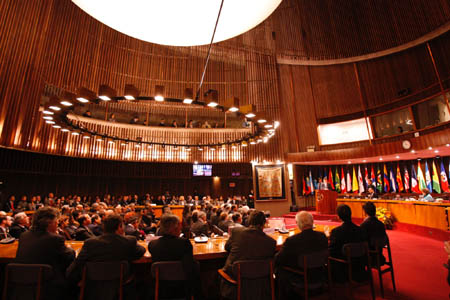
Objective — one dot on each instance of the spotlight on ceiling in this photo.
(159, 93)
(212, 98)
(233, 104)
(106, 93)
(84, 95)
(248, 110)
(131, 92)
(188, 96)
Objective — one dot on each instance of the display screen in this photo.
(202, 170)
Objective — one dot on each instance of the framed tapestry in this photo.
(270, 183)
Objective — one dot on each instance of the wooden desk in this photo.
(427, 214)
(213, 249)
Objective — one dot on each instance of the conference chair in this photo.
(170, 271)
(26, 281)
(356, 255)
(105, 280)
(254, 279)
(312, 269)
(378, 263)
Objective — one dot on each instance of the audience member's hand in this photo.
(447, 248)
(326, 230)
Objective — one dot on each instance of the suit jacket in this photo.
(37, 247)
(83, 233)
(130, 230)
(96, 229)
(348, 232)
(199, 228)
(372, 227)
(305, 242)
(172, 248)
(4, 233)
(108, 247)
(16, 230)
(248, 244)
(225, 224)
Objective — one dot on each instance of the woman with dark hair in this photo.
(63, 225)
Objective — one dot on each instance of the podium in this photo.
(326, 202)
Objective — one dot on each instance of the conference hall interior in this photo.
(224, 149)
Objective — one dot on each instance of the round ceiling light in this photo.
(179, 22)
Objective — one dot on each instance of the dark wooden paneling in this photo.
(33, 173)
(335, 90)
(382, 79)
(441, 49)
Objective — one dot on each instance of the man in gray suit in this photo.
(247, 244)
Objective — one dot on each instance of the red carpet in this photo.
(419, 273)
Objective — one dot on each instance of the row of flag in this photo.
(356, 179)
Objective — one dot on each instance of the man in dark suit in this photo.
(20, 225)
(83, 232)
(42, 245)
(5, 224)
(170, 247)
(373, 228)
(306, 242)
(132, 226)
(247, 244)
(96, 225)
(346, 233)
(200, 226)
(111, 246)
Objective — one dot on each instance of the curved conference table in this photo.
(213, 249)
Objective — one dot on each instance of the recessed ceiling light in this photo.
(397, 157)
(430, 148)
(381, 158)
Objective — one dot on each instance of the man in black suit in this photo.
(112, 245)
(42, 245)
(132, 226)
(346, 233)
(96, 225)
(20, 225)
(373, 228)
(170, 247)
(200, 226)
(306, 242)
(5, 224)
(247, 244)
(83, 232)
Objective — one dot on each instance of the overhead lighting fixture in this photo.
(248, 110)
(64, 130)
(54, 107)
(268, 126)
(86, 136)
(106, 93)
(47, 112)
(66, 103)
(261, 118)
(187, 148)
(233, 146)
(159, 93)
(233, 104)
(76, 133)
(50, 122)
(47, 118)
(131, 92)
(188, 96)
(99, 139)
(244, 144)
(212, 98)
(212, 148)
(56, 126)
(276, 124)
(381, 158)
(190, 23)
(199, 148)
(84, 95)
(123, 144)
(252, 142)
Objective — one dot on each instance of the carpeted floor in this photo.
(418, 266)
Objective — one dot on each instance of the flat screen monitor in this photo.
(202, 170)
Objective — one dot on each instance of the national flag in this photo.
(399, 179)
(354, 182)
(428, 178)
(343, 185)
(406, 178)
(330, 179)
(337, 181)
(372, 176)
(420, 177)
(308, 187)
(414, 182)
(304, 187)
(349, 182)
(366, 176)
(379, 180)
(435, 179)
(392, 181)
(311, 184)
(444, 182)
(385, 179)
(360, 180)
